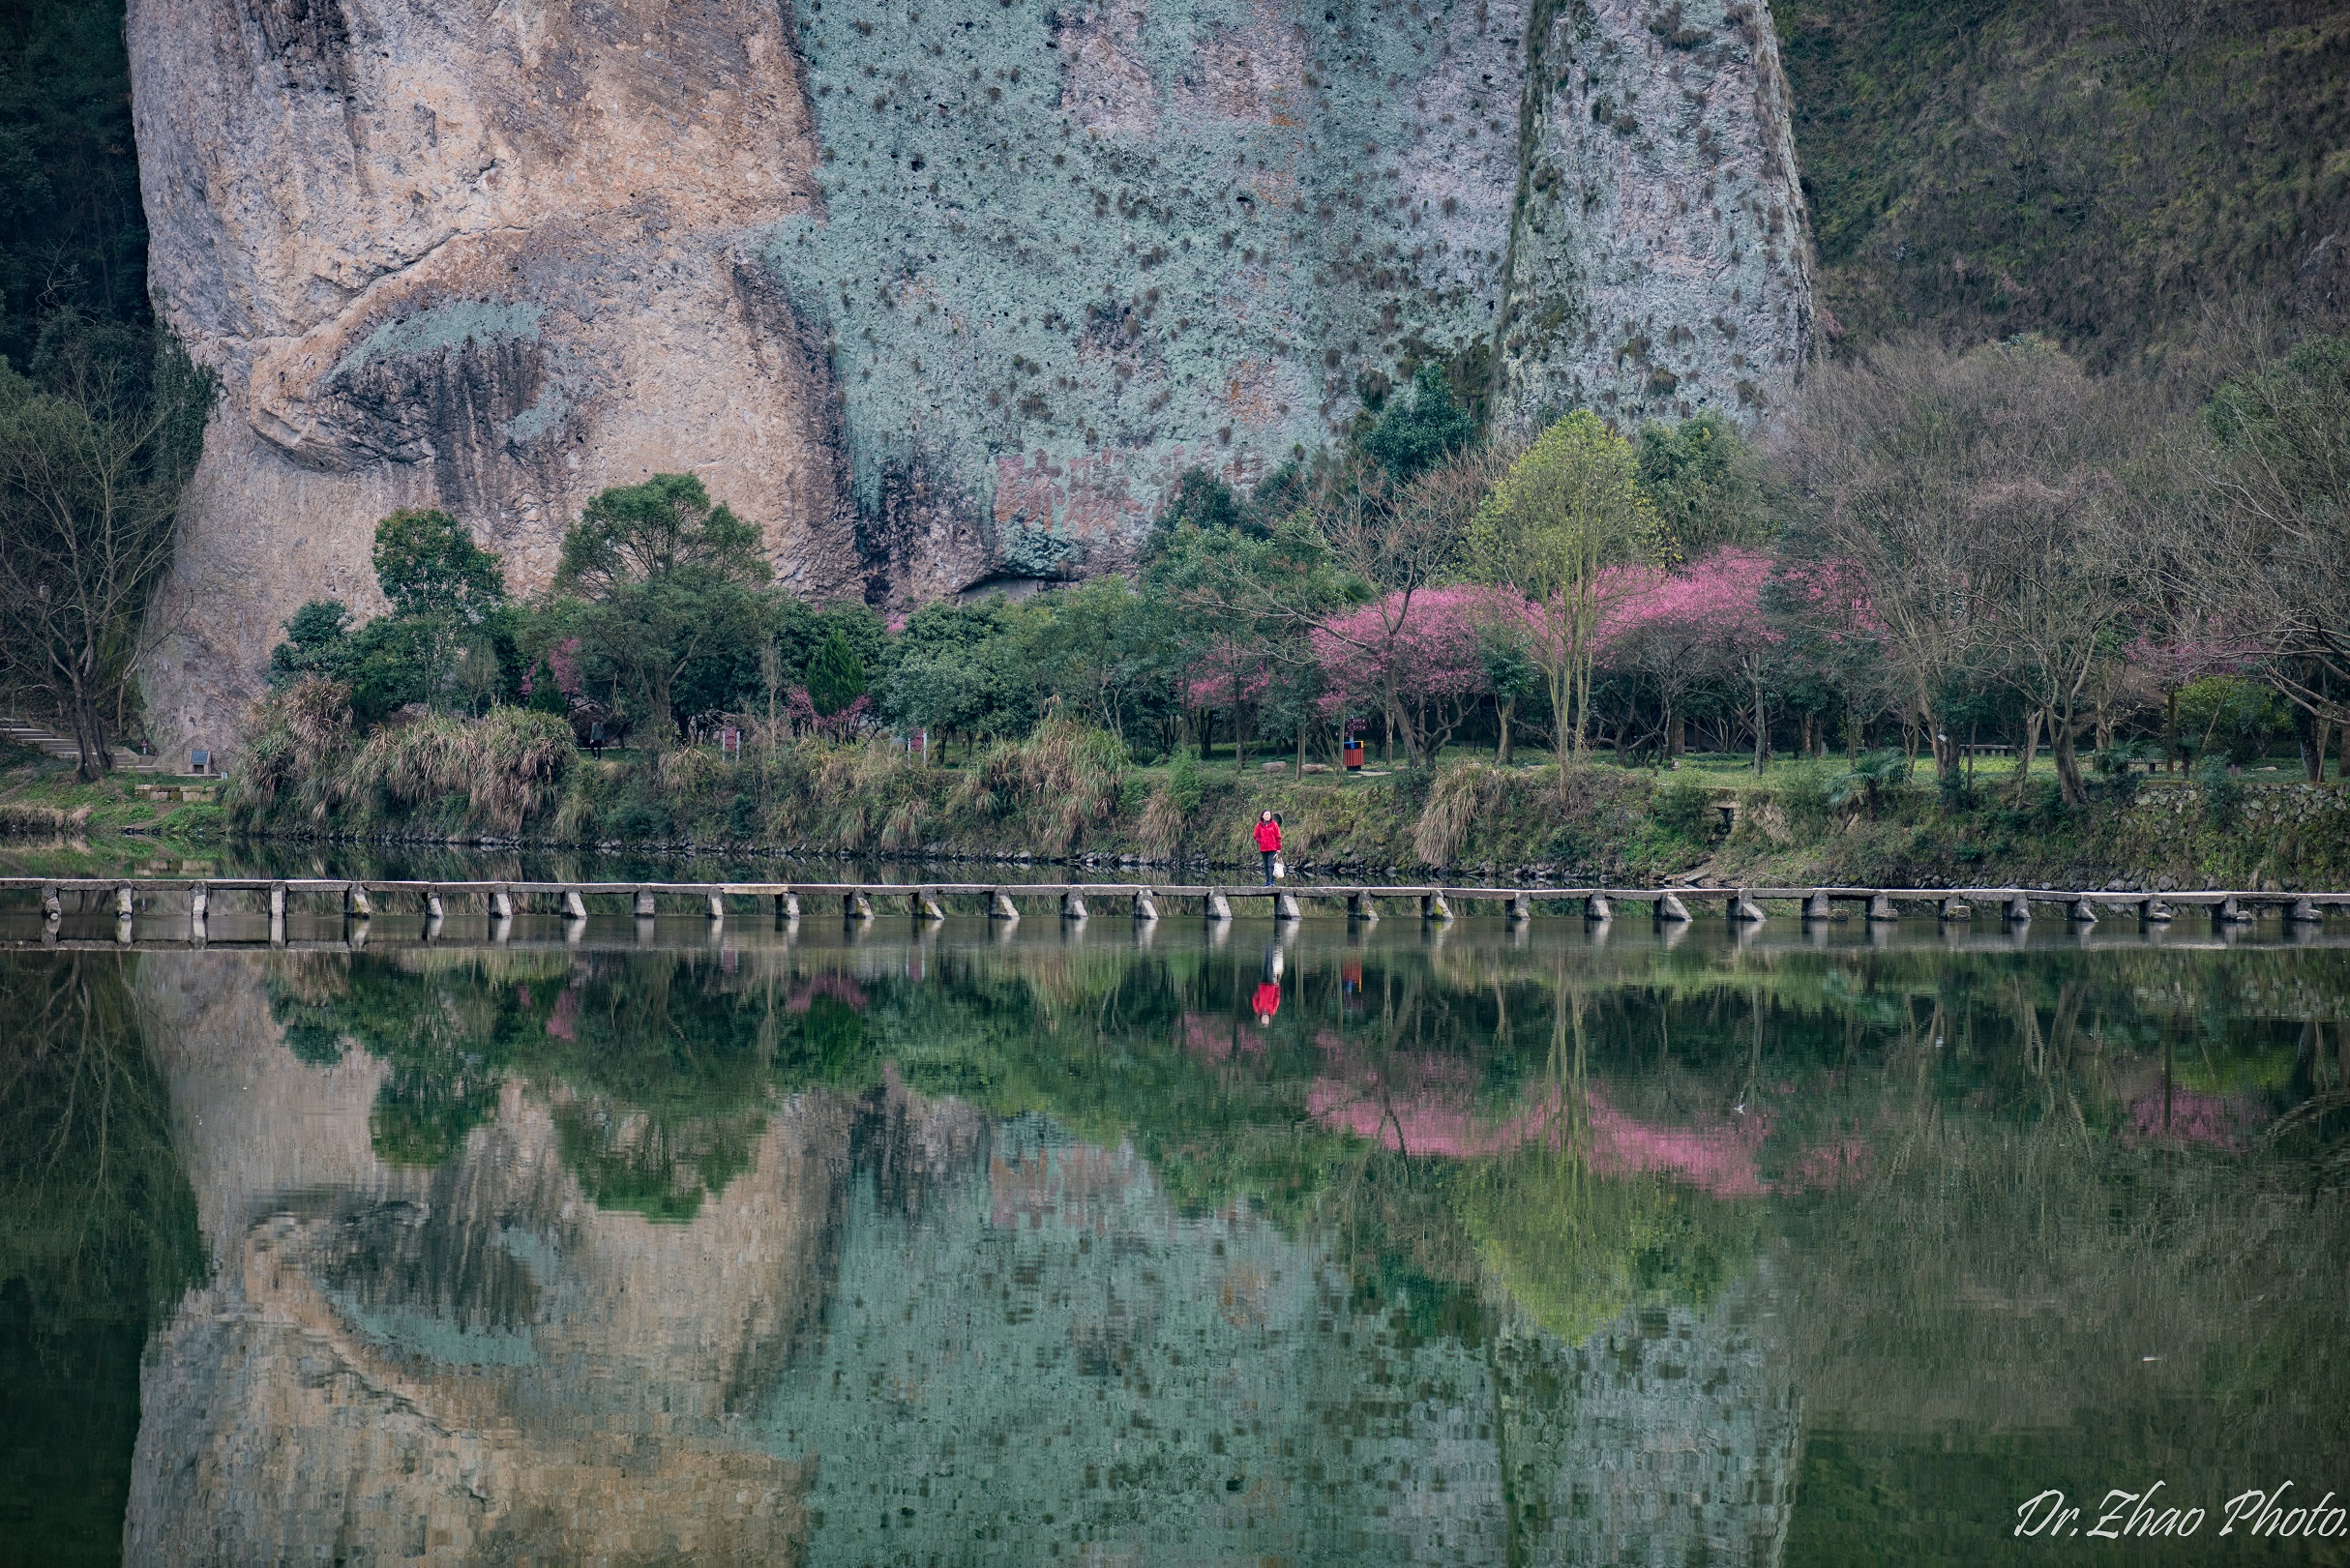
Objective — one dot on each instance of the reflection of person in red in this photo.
(1268, 1002)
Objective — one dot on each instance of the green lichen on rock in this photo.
(1064, 255)
(445, 326)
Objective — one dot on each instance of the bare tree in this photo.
(1977, 501)
(2261, 545)
(91, 473)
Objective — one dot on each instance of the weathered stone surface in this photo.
(939, 297)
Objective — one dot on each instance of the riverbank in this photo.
(1069, 796)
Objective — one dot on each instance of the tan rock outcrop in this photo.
(485, 257)
(942, 299)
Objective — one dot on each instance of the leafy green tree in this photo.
(1568, 511)
(1101, 648)
(669, 581)
(1414, 434)
(427, 564)
(1706, 483)
(317, 641)
(653, 531)
(837, 677)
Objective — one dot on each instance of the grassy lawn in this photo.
(33, 779)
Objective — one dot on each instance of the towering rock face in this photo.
(939, 296)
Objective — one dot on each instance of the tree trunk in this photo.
(1503, 708)
(1677, 737)
(2068, 764)
(1303, 728)
(2313, 743)
(2023, 758)
(90, 740)
(1761, 727)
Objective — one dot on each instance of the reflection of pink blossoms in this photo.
(839, 986)
(563, 1023)
(1215, 1039)
(1423, 1104)
(2185, 1116)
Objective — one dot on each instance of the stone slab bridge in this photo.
(196, 898)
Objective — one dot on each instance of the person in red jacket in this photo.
(1269, 842)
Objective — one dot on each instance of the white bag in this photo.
(1280, 868)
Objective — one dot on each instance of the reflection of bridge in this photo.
(359, 899)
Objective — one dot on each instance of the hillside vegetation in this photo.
(2098, 170)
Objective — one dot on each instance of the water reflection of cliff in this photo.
(463, 1363)
(892, 1328)
(881, 1253)
(1052, 1362)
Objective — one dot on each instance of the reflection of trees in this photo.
(98, 1238)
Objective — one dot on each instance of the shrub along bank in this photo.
(1070, 792)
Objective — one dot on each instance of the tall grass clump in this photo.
(300, 742)
(497, 775)
(1460, 797)
(1063, 780)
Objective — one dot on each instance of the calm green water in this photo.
(969, 1246)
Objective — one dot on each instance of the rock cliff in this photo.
(940, 296)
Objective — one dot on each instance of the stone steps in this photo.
(23, 732)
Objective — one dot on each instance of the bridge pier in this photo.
(1219, 907)
(1955, 909)
(1598, 907)
(2229, 912)
(1073, 905)
(644, 905)
(1433, 908)
(501, 904)
(199, 904)
(1670, 907)
(856, 907)
(787, 907)
(2082, 912)
(1285, 906)
(925, 904)
(1881, 907)
(1362, 906)
(2019, 908)
(1146, 907)
(1742, 909)
(575, 907)
(2154, 912)
(1001, 907)
(52, 908)
(355, 902)
(2303, 913)
(1816, 907)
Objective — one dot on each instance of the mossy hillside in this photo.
(1074, 252)
(2095, 172)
